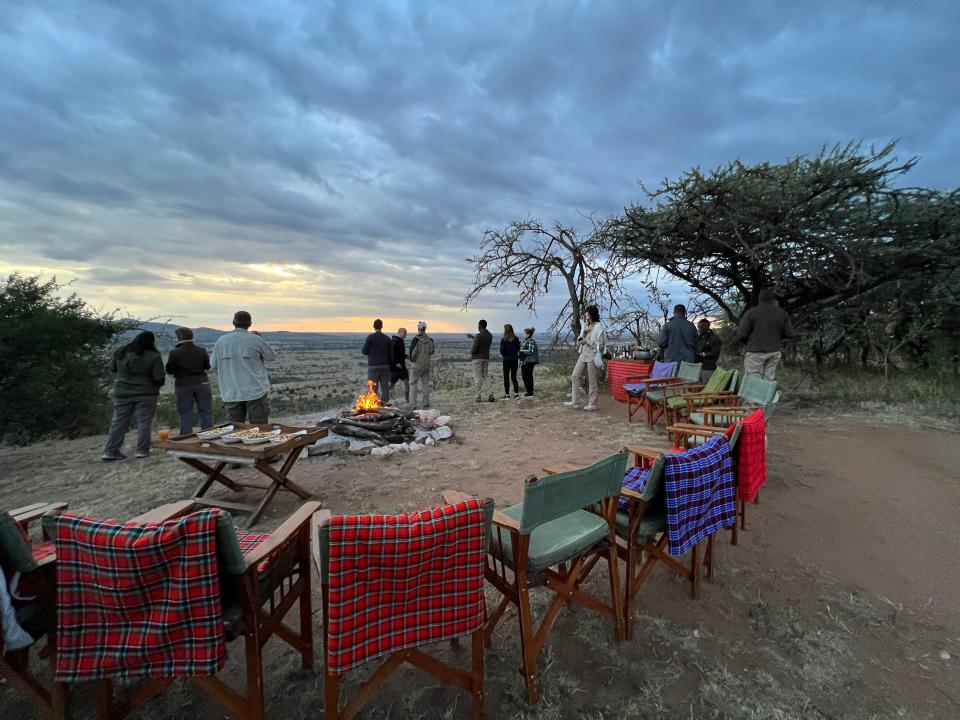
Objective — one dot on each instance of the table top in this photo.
(191, 445)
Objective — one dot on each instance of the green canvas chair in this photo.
(549, 539)
(657, 390)
(642, 529)
(38, 616)
(679, 401)
(754, 392)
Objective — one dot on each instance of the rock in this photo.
(385, 451)
(414, 447)
(362, 447)
(398, 447)
(427, 417)
(443, 420)
(325, 448)
(442, 433)
(429, 441)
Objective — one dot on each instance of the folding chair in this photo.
(551, 529)
(754, 392)
(37, 616)
(388, 616)
(636, 386)
(258, 588)
(656, 391)
(643, 527)
(677, 399)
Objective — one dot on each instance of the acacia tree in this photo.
(817, 230)
(533, 258)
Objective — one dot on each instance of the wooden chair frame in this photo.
(49, 696)
(564, 582)
(285, 581)
(635, 402)
(632, 550)
(653, 408)
(471, 681)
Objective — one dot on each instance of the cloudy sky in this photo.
(321, 163)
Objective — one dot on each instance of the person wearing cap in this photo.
(240, 359)
(188, 363)
(421, 350)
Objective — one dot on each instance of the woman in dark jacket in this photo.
(529, 358)
(139, 376)
(510, 349)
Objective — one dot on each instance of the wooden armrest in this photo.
(320, 519)
(505, 521)
(664, 381)
(691, 429)
(451, 497)
(290, 527)
(650, 453)
(165, 512)
(735, 411)
(26, 515)
(630, 493)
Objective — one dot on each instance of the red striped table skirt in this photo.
(619, 369)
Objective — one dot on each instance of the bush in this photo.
(54, 362)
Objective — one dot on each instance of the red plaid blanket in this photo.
(249, 542)
(751, 455)
(397, 581)
(138, 600)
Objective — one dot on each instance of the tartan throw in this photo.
(249, 542)
(751, 455)
(634, 478)
(138, 600)
(660, 371)
(397, 581)
(700, 494)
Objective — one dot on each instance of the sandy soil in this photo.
(841, 599)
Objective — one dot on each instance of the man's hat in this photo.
(421, 325)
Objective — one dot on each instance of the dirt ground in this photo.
(842, 599)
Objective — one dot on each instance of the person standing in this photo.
(480, 354)
(678, 338)
(188, 363)
(139, 376)
(398, 363)
(763, 330)
(529, 358)
(708, 349)
(510, 351)
(421, 352)
(591, 340)
(379, 351)
(240, 359)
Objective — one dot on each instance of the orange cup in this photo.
(163, 434)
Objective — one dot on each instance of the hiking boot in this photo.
(111, 457)
(506, 397)
(516, 396)
(491, 398)
(141, 455)
(590, 408)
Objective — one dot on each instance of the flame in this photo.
(368, 400)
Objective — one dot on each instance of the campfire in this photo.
(371, 420)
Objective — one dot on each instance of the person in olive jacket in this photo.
(139, 377)
(188, 363)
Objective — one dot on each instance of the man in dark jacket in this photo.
(379, 350)
(480, 354)
(678, 338)
(398, 362)
(188, 363)
(763, 329)
(708, 349)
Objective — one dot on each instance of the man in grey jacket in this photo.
(763, 329)
(678, 338)
(421, 352)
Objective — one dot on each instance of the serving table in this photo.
(211, 457)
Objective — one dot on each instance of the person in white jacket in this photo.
(590, 341)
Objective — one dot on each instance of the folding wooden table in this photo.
(211, 457)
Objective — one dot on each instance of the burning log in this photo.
(369, 419)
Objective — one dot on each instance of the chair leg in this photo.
(104, 700)
(708, 559)
(743, 515)
(254, 690)
(613, 570)
(331, 696)
(526, 640)
(695, 572)
(476, 675)
(630, 571)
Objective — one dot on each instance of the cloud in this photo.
(166, 147)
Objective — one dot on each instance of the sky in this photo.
(324, 163)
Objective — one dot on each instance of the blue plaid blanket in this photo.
(700, 493)
(636, 479)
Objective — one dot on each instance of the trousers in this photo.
(526, 372)
(763, 364)
(187, 395)
(420, 386)
(256, 411)
(123, 410)
(577, 377)
(481, 375)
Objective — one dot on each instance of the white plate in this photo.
(292, 436)
(215, 433)
(258, 440)
(234, 438)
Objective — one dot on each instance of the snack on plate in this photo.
(215, 432)
(259, 437)
(240, 435)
